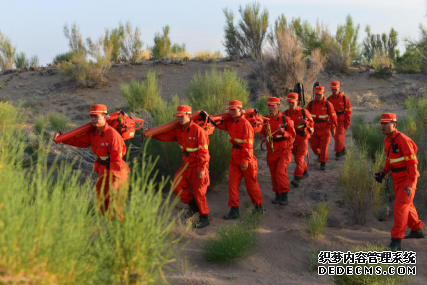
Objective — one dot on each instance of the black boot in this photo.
(283, 199)
(295, 181)
(305, 175)
(395, 244)
(323, 166)
(233, 214)
(416, 234)
(203, 222)
(259, 210)
(318, 158)
(277, 199)
(337, 155)
(343, 151)
(192, 209)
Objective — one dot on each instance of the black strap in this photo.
(278, 139)
(400, 169)
(104, 162)
(320, 121)
(237, 146)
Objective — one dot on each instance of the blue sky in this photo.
(36, 27)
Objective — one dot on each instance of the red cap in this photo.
(234, 104)
(98, 109)
(335, 84)
(271, 101)
(388, 117)
(292, 97)
(319, 89)
(182, 110)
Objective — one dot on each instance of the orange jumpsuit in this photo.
(324, 117)
(193, 141)
(106, 144)
(300, 147)
(342, 108)
(241, 135)
(278, 160)
(403, 167)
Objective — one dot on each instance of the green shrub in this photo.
(369, 279)
(113, 39)
(34, 61)
(384, 44)
(58, 122)
(367, 135)
(409, 62)
(317, 222)
(162, 44)
(211, 92)
(383, 67)
(233, 241)
(63, 57)
(7, 53)
(131, 43)
(21, 60)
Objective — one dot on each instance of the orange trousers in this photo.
(189, 178)
(300, 150)
(405, 214)
(278, 165)
(107, 202)
(319, 142)
(339, 137)
(250, 174)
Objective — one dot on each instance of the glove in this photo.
(379, 177)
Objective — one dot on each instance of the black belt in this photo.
(400, 169)
(320, 121)
(187, 154)
(301, 133)
(104, 162)
(340, 112)
(237, 146)
(278, 139)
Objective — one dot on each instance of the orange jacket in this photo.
(323, 114)
(194, 144)
(342, 108)
(403, 161)
(281, 142)
(105, 144)
(241, 135)
(301, 130)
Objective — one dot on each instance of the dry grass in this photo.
(206, 55)
(145, 54)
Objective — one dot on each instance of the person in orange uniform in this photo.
(194, 171)
(323, 114)
(401, 160)
(342, 108)
(303, 123)
(243, 163)
(283, 135)
(109, 148)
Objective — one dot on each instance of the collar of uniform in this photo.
(187, 128)
(236, 120)
(337, 96)
(320, 101)
(277, 117)
(103, 129)
(393, 137)
(296, 110)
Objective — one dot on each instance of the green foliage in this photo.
(7, 53)
(233, 241)
(113, 39)
(50, 233)
(59, 122)
(261, 105)
(347, 36)
(21, 60)
(410, 62)
(383, 67)
(143, 95)
(363, 279)
(249, 36)
(317, 222)
(131, 43)
(380, 43)
(63, 57)
(367, 135)
(34, 61)
(75, 39)
(162, 44)
(212, 92)
(310, 37)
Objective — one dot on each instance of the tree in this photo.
(346, 36)
(380, 43)
(162, 44)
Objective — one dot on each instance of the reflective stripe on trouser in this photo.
(250, 174)
(339, 137)
(189, 178)
(300, 150)
(320, 143)
(405, 214)
(108, 202)
(278, 165)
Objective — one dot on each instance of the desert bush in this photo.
(410, 62)
(179, 52)
(233, 241)
(59, 58)
(261, 105)
(317, 221)
(7, 53)
(146, 54)
(383, 67)
(367, 135)
(75, 39)
(206, 54)
(380, 44)
(347, 36)
(211, 92)
(362, 279)
(162, 44)
(112, 40)
(131, 43)
(58, 122)
(249, 36)
(34, 61)
(21, 60)
(51, 234)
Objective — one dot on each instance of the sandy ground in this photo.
(282, 256)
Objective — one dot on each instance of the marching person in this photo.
(194, 171)
(279, 150)
(303, 124)
(401, 160)
(243, 163)
(342, 108)
(323, 114)
(109, 148)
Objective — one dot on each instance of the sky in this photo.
(36, 26)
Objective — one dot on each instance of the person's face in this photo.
(235, 112)
(388, 128)
(184, 119)
(319, 96)
(293, 105)
(335, 91)
(273, 109)
(98, 120)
